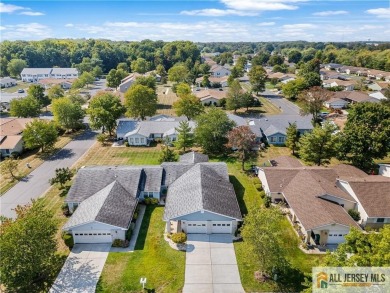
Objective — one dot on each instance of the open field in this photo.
(166, 97)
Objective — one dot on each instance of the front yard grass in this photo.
(166, 97)
(18, 86)
(153, 258)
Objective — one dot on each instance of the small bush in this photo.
(179, 237)
(68, 240)
(151, 201)
(119, 243)
(65, 210)
(259, 187)
(267, 202)
(262, 194)
(126, 143)
(354, 214)
(15, 155)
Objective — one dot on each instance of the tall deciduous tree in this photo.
(292, 139)
(10, 166)
(15, 67)
(140, 101)
(182, 89)
(28, 247)
(234, 98)
(366, 134)
(149, 81)
(67, 114)
(87, 78)
(62, 176)
(212, 129)
(104, 109)
(25, 107)
(40, 134)
(243, 141)
(185, 137)
(313, 100)
(38, 92)
(189, 106)
(114, 77)
(320, 145)
(55, 92)
(178, 73)
(257, 77)
(292, 88)
(140, 65)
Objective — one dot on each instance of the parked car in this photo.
(20, 91)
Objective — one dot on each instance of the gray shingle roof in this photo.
(90, 180)
(112, 205)
(279, 123)
(201, 188)
(152, 178)
(194, 158)
(146, 128)
(126, 125)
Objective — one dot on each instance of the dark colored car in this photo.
(20, 91)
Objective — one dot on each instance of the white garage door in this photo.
(335, 238)
(92, 237)
(196, 227)
(221, 227)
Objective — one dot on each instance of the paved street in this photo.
(82, 269)
(36, 183)
(285, 106)
(211, 265)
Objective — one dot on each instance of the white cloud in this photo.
(299, 26)
(26, 31)
(380, 12)
(69, 25)
(330, 13)
(2, 28)
(261, 5)
(266, 23)
(9, 8)
(32, 13)
(370, 27)
(217, 12)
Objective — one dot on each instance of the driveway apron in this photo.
(211, 265)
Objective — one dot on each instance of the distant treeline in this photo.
(107, 54)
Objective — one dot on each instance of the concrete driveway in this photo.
(37, 182)
(211, 265)
(82, 269)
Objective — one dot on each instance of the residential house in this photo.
(200, 198)
(211, 97)
(379, 85)
(354, 97)
(219, 71)
(316, 205)
(325, 74)
(281, 77)
(348, 69)
(144, 132)
(378, 95)
(36, 74)
(49, 82)
(384, 170)
(347, 85)
(215, 81)
(128, 81)
(336, 103)
(7, 82)
(378, 74)
(332, 66)
(11, 139)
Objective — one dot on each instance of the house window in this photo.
(214, 225)
(203, 225)
(136, 140)
(228, 225)
(330, 235)
(273, 139)
(131, 140)
(380, 220)
(142, 140)
(281, 139)
(340, 235)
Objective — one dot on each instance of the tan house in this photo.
(49, 82)
(11, 135)
(210, 97)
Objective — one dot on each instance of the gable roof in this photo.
(146, 128)
(90, 180)
(285, 161)
(210, 93)
(373, 192)
(13, 126)
(126, 125)
(112, 205)
(193, 158)
(152, 178)
(205, 190)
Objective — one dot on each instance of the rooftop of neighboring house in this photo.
(48, 81)
(56, 70)
(194, 158)
(7, 79)
(217, 67)
(13, 126)
(285, 161)
(340, 82)
(214, 79)
(355, 96)
(146, 128)
(9, 141)
(210, 93)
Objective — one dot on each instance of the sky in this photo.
(198, 21)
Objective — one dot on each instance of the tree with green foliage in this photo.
(188, 105)
(243, 141)
(114, 77)
(3, 66)
(15, 67)
(292, 88)
(275, 60)
(212, 129)
(55, 92)
(386, 93)
(123, 66)
(204, 68)
(76, 98)
(28, 248)
(313, 100)
(355, 214)
(248, 100)
(102, 138)
(167, 154)
(362, 249)
(160, 70)
(10, 166)
(294, 56)
(234, 96)
(140, 65)
(97, 71)
(182, 89)
(206, 81)
(149, 81)
(78, 84)
(320, 145)
(38, 92)
(40, 134)
(140, 101)
(257, 77)
(25, 107)
(266, 248)
(185, 137)
(292, 138)
(366, 135)
(87, 78)
(178, 73)
(67, 114)
(104, 109)
(62, 176)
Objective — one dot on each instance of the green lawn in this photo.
(14, 89)
(153, 258)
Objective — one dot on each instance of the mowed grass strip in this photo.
(153, 258)
(165, 97)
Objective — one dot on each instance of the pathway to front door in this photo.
(211, 265)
